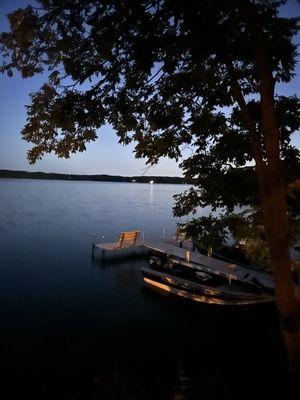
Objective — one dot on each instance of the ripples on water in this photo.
(72, 328)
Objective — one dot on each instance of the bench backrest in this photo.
(127, 239)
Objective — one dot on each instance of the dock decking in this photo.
(213, 264)
(231, 271)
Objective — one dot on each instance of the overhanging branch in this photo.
(254, 134)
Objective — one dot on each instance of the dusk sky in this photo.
(103, 156)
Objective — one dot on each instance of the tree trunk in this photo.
(273, 191)
(265, 144)
(277, 234)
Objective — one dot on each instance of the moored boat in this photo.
(203, 286)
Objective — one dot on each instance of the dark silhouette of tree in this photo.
(170, 74)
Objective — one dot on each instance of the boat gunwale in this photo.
(207, 289)
(204, 299)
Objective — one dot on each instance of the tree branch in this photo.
(254, 134)
(266, 88)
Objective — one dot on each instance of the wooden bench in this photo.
(125, 240)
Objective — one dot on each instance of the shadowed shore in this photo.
(98, 178)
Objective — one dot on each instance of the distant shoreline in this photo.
(95, 178)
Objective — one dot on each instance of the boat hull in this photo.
(199, 293)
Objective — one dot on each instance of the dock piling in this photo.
(164, 233)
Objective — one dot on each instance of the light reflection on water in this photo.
(92, 325)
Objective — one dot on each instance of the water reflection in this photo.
(151, 194)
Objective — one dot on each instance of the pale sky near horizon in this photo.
(106, 155)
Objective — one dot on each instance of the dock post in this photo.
(103, 253)
(93, 251)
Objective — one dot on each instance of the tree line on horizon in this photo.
(5, 173)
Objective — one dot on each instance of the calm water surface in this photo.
(73, 328)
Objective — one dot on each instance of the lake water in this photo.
(76, 328)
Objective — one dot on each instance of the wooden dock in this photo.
(130, 240)
(232, 271)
